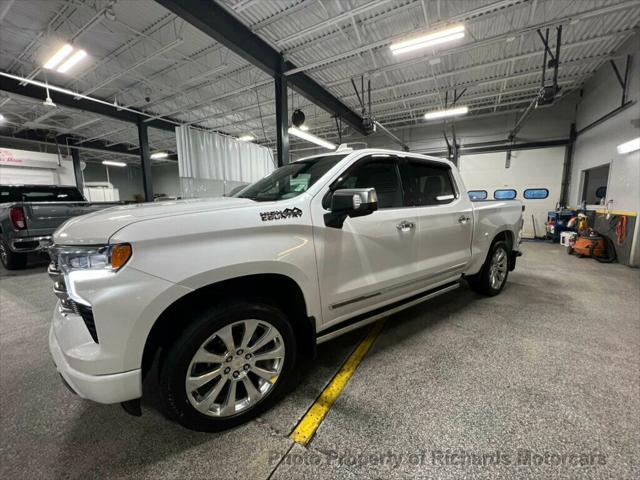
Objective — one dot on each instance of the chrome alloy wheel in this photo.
(235, 368)
(498, 268)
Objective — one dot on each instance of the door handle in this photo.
(463, 219)
(405, 226)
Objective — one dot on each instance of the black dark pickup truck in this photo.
(29, 214)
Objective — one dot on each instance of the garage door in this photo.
(535, 175)
(27, 176)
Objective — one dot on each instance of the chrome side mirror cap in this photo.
(350, 202)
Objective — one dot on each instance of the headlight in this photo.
(107, 257)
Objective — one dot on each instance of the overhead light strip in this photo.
(57, 58)
(429, 40)
(71, 62)
(630, 146)
(309, 137)
(450, 112)
(114, 164)
(158, 155)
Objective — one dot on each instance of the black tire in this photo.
(481, 282)
(178, 358)
(11, 260)
(570, 250)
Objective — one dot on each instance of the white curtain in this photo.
(210, 164)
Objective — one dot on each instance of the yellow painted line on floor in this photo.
(307, 427)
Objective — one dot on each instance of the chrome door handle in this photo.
(405, 226)
(463, 219)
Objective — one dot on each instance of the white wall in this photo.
(597, 146)
(165, 179)
(128, 180)
(31, 167)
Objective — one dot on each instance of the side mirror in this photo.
(350, 202)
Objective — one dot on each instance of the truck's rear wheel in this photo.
(10, 259)
(490, 280)
(228, 366)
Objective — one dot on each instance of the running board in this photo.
(369, 317)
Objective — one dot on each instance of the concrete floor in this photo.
(549, 367)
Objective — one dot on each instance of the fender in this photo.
(308, 286)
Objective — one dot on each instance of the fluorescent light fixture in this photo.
(2, 118)
(428, 40)
(75, 58)
(309, 137)
(304, 128)
(114, 164)
(630, 146)
(158, 155)
(55, 60)
(450, 112)
(246, 138)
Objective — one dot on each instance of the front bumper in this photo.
(98, 346)
(30, 244)
(111, 388)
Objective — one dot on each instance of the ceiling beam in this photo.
(64, 140)
(430, 93)
(397, 66)
(215, 21)
(15, 87)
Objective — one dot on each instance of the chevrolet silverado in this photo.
(226, 293)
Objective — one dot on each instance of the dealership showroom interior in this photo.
(319, 239)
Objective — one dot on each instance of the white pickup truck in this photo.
(225, 293)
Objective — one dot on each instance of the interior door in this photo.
(369, 255)
(444, 227)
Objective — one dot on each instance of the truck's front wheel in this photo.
(10, 259)
(490, 280)
(228, 366)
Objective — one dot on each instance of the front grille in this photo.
(67, 304)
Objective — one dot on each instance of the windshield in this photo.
(290, 180)
(39, 194)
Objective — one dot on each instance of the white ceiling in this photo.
(142, 56)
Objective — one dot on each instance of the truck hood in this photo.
(96, 228)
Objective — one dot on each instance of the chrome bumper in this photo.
(60, 288)
(30, 244)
